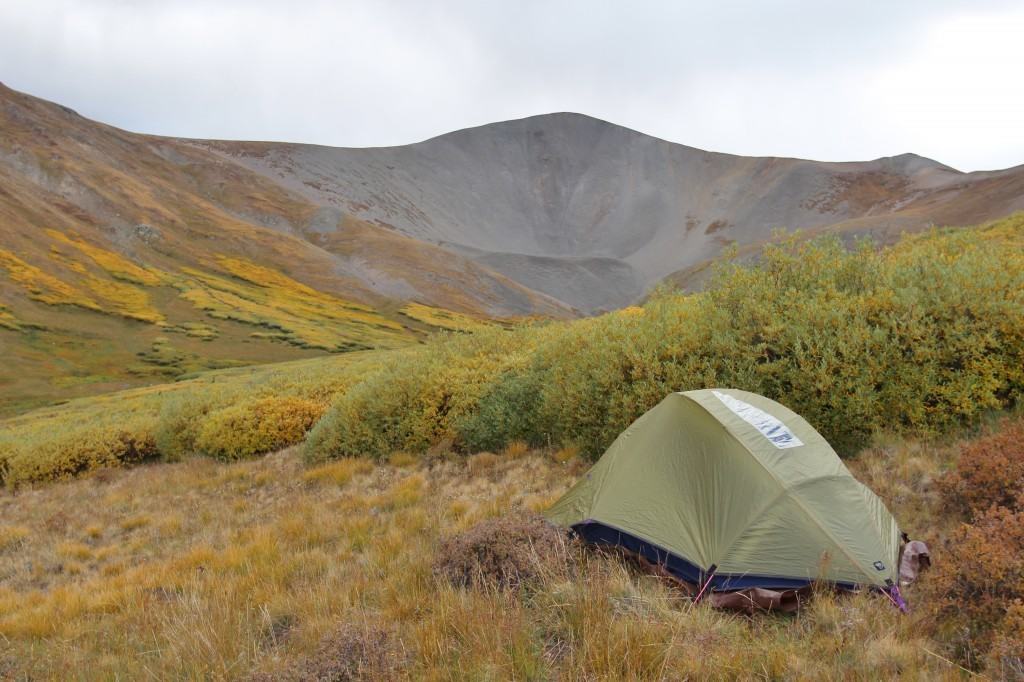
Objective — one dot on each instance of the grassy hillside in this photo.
(85, 320)
(127, 260)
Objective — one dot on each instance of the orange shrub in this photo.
(990, 471)
(980, 577)
(1006, 659)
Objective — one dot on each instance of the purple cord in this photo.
(897, 599)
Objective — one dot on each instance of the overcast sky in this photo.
(807, 78)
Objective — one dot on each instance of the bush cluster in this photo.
(230, 414)
(917, 338)
(420, 397)
(980, 579)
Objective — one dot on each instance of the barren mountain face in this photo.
(594, 214)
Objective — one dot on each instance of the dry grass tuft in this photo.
(566, 454)
(12, 537)
(516, 449)
(339, 472)
(402, 460)
(482, 462)
(503, 552)
(350, 652)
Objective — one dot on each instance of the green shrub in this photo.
(418, 398)
(505, 414)
(918, 338)
(181, 418)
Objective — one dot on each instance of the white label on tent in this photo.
(777, 433)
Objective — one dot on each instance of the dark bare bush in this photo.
(505, 553)
(350, 652)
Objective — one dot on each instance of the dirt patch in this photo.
(716, 226)
(505, 552)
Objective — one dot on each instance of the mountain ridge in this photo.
(571, 186)
(109, 238)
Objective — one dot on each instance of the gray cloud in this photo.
(803, 78)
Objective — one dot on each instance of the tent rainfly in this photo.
(728, 491)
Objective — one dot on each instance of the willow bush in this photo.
(255, 427)
(228, 414)
(916, 338)
(419, 397)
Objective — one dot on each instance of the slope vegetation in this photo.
(918, 338)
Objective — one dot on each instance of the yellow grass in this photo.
(204, 570)
(8, 320)
(113, 263)
(42, 286)
(287, 310)
(443, 319)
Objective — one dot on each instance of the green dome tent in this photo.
(729, 490)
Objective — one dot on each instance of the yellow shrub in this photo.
(256, 427)
(73, 449)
